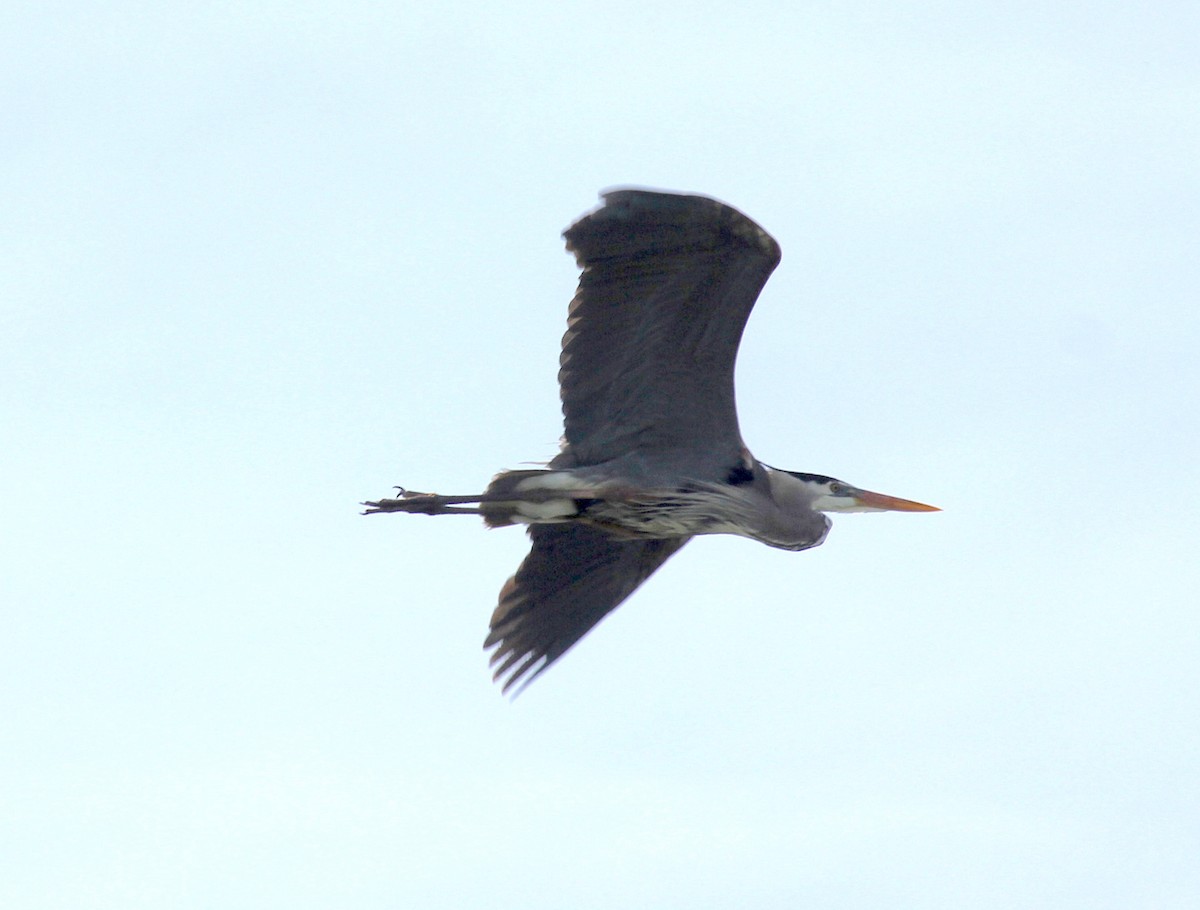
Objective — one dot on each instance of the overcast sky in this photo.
(262, 261)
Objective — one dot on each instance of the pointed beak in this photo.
(870, 500)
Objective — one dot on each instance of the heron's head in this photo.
(832, 495)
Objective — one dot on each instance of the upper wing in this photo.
(571, 579)
(652, 334)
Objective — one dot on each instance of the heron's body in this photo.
(756, 506)
(651, 454)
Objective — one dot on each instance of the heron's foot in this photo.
(404, 501)
(422, 504)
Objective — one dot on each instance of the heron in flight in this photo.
(651, 454)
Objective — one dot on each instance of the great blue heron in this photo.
(651, 453)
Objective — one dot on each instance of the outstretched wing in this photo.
(571, 579)
(652, 334)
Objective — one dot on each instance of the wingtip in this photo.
(628, 204)
(517, 670)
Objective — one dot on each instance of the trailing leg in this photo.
(424, 504)
(513, 497)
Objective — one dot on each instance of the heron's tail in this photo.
(533, 497)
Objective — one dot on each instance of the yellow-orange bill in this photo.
(892, 503)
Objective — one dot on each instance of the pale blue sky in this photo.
(265, 260)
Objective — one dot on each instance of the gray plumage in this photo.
(667, 285)
(651, 453)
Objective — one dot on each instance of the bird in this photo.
(651, 453)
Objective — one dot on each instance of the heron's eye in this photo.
(839, 489)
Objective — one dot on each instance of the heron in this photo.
(651, 453)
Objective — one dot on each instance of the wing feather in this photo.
(647, 361)
(572, 578)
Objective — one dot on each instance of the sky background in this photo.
(262, 261)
